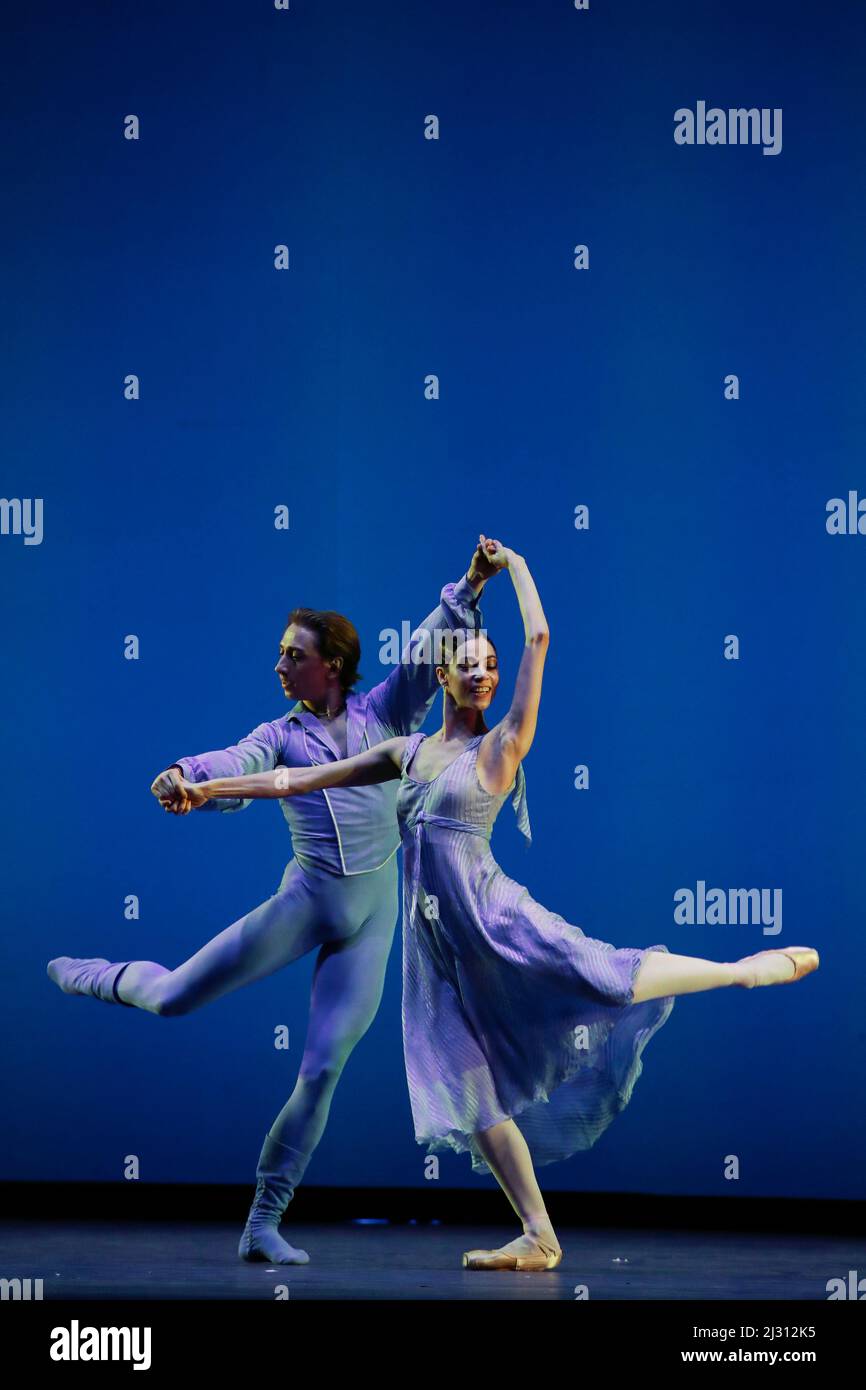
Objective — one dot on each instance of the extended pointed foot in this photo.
(93, 975)
(779, 967)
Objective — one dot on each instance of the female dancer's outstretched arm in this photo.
(508, 742)
(379, 764)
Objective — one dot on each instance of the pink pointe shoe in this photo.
(805, 959)
(544, 1256)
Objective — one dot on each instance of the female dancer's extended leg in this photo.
(504, 1148)
(662, 973)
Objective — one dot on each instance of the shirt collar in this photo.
(356, 708)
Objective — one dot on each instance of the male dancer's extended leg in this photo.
(278, 931)
(346, 992)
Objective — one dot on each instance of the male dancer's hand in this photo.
(170, 790)
(496, 555)
(481, 567)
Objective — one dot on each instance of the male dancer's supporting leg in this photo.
(346, 993)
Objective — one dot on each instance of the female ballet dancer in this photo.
(508, 1010)
(338, 894)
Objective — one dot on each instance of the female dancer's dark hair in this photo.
(454, 639)
(335, 636)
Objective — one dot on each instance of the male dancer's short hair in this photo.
(335, 636)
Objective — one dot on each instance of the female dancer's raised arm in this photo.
(379, 764)
(508, 742)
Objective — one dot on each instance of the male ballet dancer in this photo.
(338, 893)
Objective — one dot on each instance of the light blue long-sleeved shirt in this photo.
(346, 830)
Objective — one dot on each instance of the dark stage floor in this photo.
(113, 1260)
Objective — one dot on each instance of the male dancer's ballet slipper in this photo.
(805, 960)
(278, 1172)
(543, 1256)
(88, 975)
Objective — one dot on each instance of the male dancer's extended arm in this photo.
(381, 763)
(258, 752)
(401, 702)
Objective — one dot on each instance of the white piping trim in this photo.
(353, 873)
(347, 873)
(324, 792)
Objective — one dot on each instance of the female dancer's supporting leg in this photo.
(505, 1150)
(506, 1153)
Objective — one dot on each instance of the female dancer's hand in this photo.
(195, 795)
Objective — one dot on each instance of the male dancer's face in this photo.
(302, 672)
(472, 675)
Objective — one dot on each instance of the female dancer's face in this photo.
(472, 675)
(302, 672)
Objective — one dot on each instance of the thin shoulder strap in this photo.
(408, 752)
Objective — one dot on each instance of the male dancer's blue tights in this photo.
(351, 920)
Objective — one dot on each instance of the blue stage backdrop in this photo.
(410, 273)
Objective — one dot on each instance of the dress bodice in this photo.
(455, 794)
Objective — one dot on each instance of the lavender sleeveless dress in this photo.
(508, 1010)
